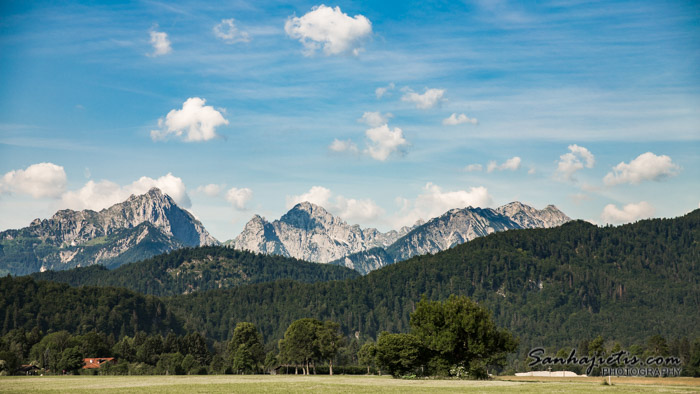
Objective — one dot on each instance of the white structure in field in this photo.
(558, 374)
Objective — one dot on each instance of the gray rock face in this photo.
(68, 227)
(455, 227)
(309, 232)
(529, 217)
(77, 238)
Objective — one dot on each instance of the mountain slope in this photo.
(455, 227)
(529, 217)
(188, 270)
(26, 304)
(308, 232)
(111, 236)
(551, 287)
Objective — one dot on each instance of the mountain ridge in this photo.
(188, 270)
(78, 238)
(311, 233)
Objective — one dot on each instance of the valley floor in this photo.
(334, 384)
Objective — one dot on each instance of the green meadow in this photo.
(333, 384)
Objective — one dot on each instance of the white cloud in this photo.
(349, 209)
(94, 195)
(375, 119)
(427, 100)
(473, 168)
(455, 119)
(98, 195)
(356, 210)
(578, 158)
(160, 43)
(381, 91)
(384, 141)
(211, 190)
(168, 184)
(343, 146)
(646, 167)
(629, 213)
(239, 197)
(318, 195)
(194, 122)
(492, 166)
(511, 164)
(37, 180)
(329, 28)
(229, 33)
(434, 202)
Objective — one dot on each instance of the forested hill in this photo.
(26, 304)
(551, 287)
(194, 269)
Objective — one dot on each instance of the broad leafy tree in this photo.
(399, 354)
(307, 340)
(459, 332)
(246, 348)
(329, 339)
(71, 360)
(299, 343)
(367, 355)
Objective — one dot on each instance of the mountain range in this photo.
(311, 233)
(557, 288)
(140, 227)
(151, 224)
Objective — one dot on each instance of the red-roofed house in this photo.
(96, 362)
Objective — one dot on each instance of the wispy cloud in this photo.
(160, 42)
(455, 119)
(227, 31)
(575, 160)
(429, 99)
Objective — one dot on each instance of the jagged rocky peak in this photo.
(529, 217)
(311, 233)
(155, 207)
(452, 228)
(308, 216)
(149, 223)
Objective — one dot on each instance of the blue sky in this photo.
(591, 106)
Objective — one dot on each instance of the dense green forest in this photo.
(561, 288)
(188, 270)
(45, 306)
(550, 287)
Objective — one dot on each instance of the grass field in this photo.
(334, 384)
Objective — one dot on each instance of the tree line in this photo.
(550, 287)
(555, 288)
(455, 338)
(188, 270)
